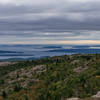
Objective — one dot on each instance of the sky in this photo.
(49, 21)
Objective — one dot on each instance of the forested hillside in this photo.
(55, 78)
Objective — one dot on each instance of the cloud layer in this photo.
(49, 21)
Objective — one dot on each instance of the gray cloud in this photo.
(52, 20)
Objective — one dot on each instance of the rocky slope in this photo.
(73, 77)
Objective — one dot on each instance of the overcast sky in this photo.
(49, 21)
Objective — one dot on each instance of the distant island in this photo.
(30, 52)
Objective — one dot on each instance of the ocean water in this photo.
(41, 51)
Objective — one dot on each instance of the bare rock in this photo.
(80, 69)
(97, 96)
(72, 99)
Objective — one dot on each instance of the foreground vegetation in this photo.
(55, 78)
